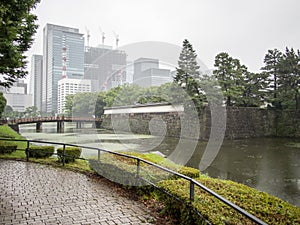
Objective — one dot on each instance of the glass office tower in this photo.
(59, 42)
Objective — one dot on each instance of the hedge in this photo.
(7, 147)
(70, 155)
(157, 159)
(40, 151)
(268, 208)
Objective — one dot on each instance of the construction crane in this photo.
(87, 36)
(102, 34)
(117, 39)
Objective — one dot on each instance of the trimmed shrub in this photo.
(268, 208)
(71, 153)
(189, 172)
(7, 147)
(40, 151)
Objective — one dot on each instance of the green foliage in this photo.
(7, 132)
(17, 27)
(123, 95)
(267, 208)
(157, 159)
(188, 75)
(7, 147)
(271, 69)
(31, 111)
(100, 104)
(69, 104)
(71, 153)
(289, 79)
(283, 72)
(41, 151)
(2, 103)
(239, 87)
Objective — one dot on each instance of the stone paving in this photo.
(38, 194)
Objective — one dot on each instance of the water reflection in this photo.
(267, 164)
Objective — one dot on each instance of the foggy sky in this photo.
(243, 29)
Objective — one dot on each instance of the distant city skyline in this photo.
(243, 29)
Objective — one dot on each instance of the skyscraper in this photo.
(60, 44)
(105, 67)
(35, 88)
(147, 73)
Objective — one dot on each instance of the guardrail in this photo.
(191, 181)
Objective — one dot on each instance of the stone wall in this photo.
(240, 123)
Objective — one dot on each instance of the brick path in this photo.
(38, 194)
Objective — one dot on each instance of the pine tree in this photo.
(289, 79)
(230, 74)
(271, 69)
(188, 75)
(188, 68)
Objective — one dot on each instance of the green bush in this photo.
(71, 153)
(7, 147)
(40, 151)
(189, 172)
(268, 208)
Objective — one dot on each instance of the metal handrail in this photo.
(139, 160)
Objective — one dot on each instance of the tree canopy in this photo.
(17, 27)
(188, 74)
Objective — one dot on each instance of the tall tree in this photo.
(2, 103)
(17, 27)
(289, 79)
(230, 74)
(271, 69)
(254, 90)
(188, 75)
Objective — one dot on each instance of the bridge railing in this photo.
(192, 183)
(49, 119)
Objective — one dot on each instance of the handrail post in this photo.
(138, 167)
(64, 155)
(99, 153)
(192, 191)
(27, 151)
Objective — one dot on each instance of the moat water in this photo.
(267, 164)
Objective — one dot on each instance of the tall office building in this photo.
(147, 73)
(35, 87)
(62, 47)
(105, 67)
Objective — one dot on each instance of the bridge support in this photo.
(39, 127)
(79, 125)
(15, 127)
(60, 126)
(97, 124)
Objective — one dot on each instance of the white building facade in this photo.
(69, 86)
(17, 97)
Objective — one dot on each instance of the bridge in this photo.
(60, 120)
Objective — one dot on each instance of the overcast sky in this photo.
(244, 29)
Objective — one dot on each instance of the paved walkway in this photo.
(37, 194)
